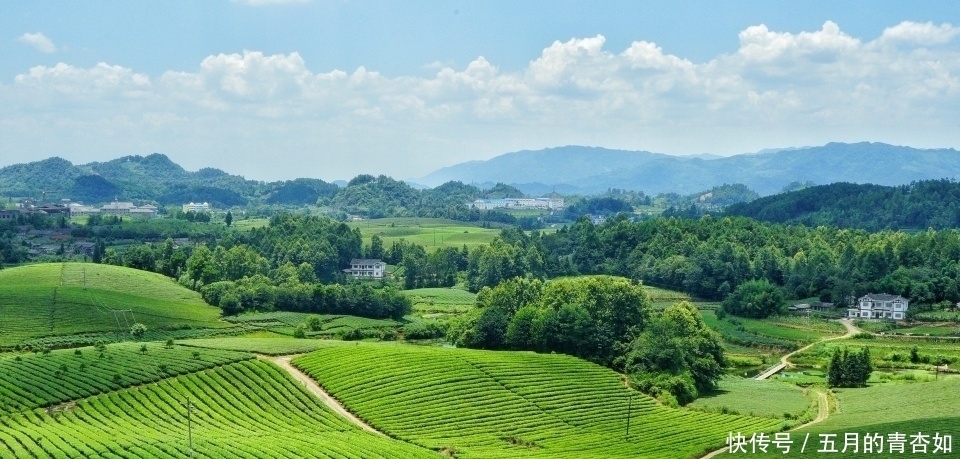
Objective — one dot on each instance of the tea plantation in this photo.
(71, 298)
(512, 404)
(244, 410)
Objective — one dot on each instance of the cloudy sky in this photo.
(277, 89)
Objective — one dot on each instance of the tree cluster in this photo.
(260, 293)
(594, 318)
(849, 369)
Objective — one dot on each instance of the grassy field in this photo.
(888, 352)
(34, 380)
(431, 233)
(662, 298)
(888, 408)
(72, 298)
(758, 398)
(245, 410)
(512, 404)
(440, 301)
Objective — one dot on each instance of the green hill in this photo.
(920, 205)
(512, 404)
(72, 298)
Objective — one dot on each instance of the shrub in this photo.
(388, 335)
(424, 330)
(300, 332)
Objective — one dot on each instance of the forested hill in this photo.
(919, 205)
(151, 178)
(594, 170)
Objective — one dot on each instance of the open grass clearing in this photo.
(758, 398)
(431, 233)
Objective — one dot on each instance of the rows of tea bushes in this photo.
(41, 379)
(245, 410)
(512, 404)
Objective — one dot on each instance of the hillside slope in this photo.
(921, 205)
(71, 298)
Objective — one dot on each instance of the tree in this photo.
(677, 354)
(230, 304)
(138, 330)
(228, 219)
(756, 298)
(849, 369)
(376, 247)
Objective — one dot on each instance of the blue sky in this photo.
(329, 89)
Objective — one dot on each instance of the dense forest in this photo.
(710, 257)
(918, 206)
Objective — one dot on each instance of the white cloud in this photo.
(919, 34)
(38, 41)
(272, 116)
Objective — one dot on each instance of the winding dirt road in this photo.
(784, 361)
(823, 403)
(315, 389)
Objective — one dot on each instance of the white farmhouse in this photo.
(880, 306)
(361, 268)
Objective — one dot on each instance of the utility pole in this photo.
(629, 409)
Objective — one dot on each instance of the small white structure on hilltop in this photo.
(880, 306)
(196, 208)
(364, 268)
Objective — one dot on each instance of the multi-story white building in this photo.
(880, 306)
(196, 208)
(362, 268)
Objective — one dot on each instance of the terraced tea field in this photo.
(263, 345)
(245, 410)
(330, 324)
(34, 380)
(512, 404)
(71, 298)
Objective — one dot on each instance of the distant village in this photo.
(551, 203)
(58, 241)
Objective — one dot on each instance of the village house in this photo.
(879, 306)
(361, 268)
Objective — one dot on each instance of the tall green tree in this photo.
(677, 353)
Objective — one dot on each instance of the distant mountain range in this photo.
(576, 169)
(150, 178)
(566, 170)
